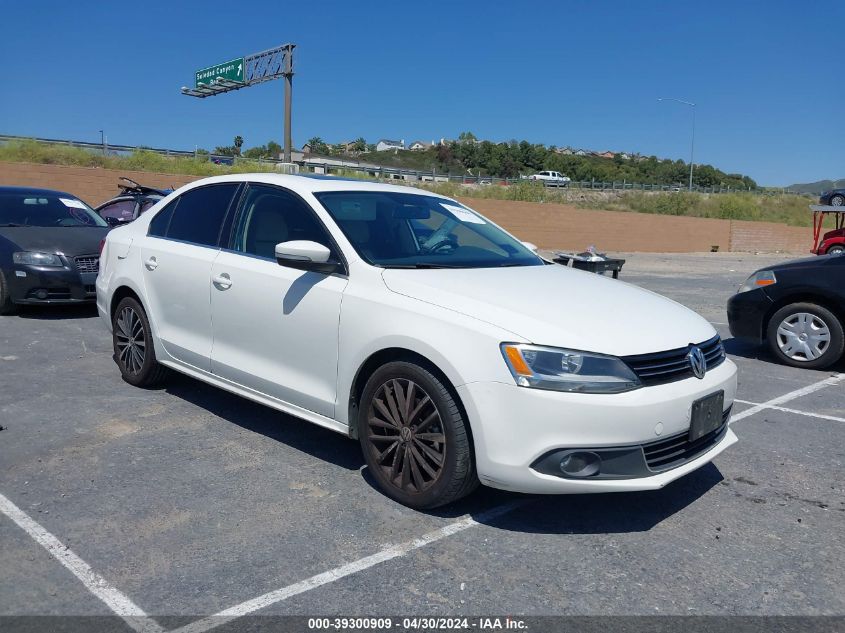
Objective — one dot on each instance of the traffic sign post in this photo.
(243, 72)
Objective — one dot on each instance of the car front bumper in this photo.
(39, 285)
(747, 312)
(516, 428)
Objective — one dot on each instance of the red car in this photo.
(832, 242)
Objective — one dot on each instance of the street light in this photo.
(692, 142)
(103, 142)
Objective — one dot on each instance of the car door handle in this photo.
(222, 281)
(151, 263)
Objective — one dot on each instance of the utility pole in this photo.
(692, 142)
(288, 76)
(103, 142)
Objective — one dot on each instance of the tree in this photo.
(274, 149)
(318, 145)
(467, 136)
(359, 144)
(225, 150)
(239, 140)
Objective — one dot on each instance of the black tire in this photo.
(837, 201)
(831, 352)
(423, 481)
(134, 351)
(836, 250)
(6, 305)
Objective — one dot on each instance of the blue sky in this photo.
(770, 90)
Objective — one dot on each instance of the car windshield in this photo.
(402, 230)
(38, 208)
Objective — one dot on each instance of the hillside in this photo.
(818, 187)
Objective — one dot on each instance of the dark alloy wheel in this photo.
(414, 437)
(133, 345)
(6, 305)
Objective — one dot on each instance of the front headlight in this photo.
(558, 369)
(33, 258)
(758, 280)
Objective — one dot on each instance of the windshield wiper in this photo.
(422, 265)
(14, 224)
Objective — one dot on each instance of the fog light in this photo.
(580, 464)
(41, 294)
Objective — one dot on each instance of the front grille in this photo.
(677, 450)
(88, 264)
(663, 367)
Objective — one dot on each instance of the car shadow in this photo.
(761, 352)
(56, 312)
(541, 514)
(300, 434)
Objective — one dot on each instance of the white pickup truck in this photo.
(551, 178)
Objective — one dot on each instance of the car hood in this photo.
(558, 306)
(68, 240)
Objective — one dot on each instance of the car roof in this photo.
(309, 183)
(36, 190)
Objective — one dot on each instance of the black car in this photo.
(131, 202)
(798, 307)
(834, 198)
(49, 248)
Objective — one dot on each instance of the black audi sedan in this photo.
(49, 248)
(797, 307)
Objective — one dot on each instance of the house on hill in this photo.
(419, 146)
(385, 145)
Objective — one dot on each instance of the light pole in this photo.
(103, 142)
(692, 142)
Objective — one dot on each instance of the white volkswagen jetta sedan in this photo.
(409, 321)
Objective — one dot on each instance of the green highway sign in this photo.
(232, 70)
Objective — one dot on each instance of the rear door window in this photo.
(200, 214)
(123, 210)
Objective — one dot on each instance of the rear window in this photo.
(196, 216)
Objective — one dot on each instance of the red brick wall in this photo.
(551, 226)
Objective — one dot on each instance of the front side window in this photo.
(405, 230)
(270, 216)
(198, 215)
(122, 210)
(39, 208)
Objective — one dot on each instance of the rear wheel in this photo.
(836, 250)
(806, 335)
(133, 345)
(6, 305)
(837, 201)
(414, 437)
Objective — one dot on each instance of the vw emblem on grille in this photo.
(697, 362)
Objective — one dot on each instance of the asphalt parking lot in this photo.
(187, 501)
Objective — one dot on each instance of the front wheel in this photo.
(6, 305)
(836, 250)
(133, 345)
(414, 437)
(837, 201)
(806, 335)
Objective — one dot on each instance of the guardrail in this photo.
(329, 166)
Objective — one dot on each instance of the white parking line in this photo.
(389, 553)
(792, 395)
(809, 414)
(94, 582)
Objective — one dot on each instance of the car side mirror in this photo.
(306, 255)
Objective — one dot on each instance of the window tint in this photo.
(123, 210)
(158, 225)
(270, 216)
(200, 214)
